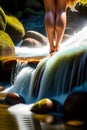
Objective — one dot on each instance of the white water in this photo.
(57, 75)
(32, 52)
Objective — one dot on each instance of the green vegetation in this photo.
(83, 2)
(3, 20)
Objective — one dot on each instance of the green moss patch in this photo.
(3, 20)
(5, 40)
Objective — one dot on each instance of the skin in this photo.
(55, 22)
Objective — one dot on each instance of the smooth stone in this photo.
(1, 88)
(75, 106)
(13, 98)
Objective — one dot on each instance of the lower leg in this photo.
(60, 28)
(50, 30)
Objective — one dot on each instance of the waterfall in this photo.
(57, 75)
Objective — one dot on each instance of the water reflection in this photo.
(28, 121)
(7, 121)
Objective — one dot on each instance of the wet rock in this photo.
(6, 68)
(33, 7)
(3, 20)
(33, 4)
(14, 28)
(30, 42)
(75, 106)
(36, 35)
(29, 11)
(1, 88)
(13, 98)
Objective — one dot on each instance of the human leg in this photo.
(50, 21)
(60, 22)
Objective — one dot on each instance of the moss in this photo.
(83, 2)
(15, 24)
(3, 20)
(5, 40)
(33, 3)
(31, 11)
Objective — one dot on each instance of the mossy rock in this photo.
(29, 11)
(33, 4)
(3, 20)
(6, 42)
(14, 28)
(83, 1)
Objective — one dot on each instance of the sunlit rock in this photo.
(6, 43)
(14, 98)
(3, 20)
(36, 35)
(14, 28)
(75, 106)
(30, 42)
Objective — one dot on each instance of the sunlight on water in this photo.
(76, 39)
(31, 52)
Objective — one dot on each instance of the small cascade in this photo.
(57, 75)
(16, 69)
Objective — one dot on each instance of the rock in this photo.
(33, 4)
(6, 68)
(1, 88)
(13, 98)
(3, 20)
(30, 42)
(6, 43)
(75, 106)
(36, 35)
(29, 11)
(14, 28)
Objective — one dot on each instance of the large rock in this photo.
(29, 11)
(7, 65)
(3, 20)
(6, 43)
(33, 4)
(30, 42)
(75, 106)
(33, 7)
(37, 36)
(14, 28)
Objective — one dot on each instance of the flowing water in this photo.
(61, 74)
